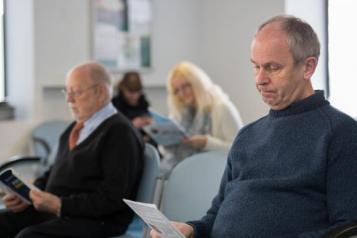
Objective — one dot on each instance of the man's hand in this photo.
(184, 228)
(196, 141)
(45, 202)
(14, 203)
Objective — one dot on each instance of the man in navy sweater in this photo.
(99, 162)
(292, 173)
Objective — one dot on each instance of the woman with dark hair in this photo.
(131, 100)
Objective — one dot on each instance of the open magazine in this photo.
(15, 185)
(164, 131)
(154, 219)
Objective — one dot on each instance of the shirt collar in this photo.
(98, 117)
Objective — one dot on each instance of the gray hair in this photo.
(302, 39)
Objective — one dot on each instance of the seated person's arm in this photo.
(196, 141)
(341, 181)
(45, 202)
(228, 123)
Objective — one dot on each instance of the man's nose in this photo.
(261, 77)
(69, 98)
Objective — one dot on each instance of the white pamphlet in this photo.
(154, 219)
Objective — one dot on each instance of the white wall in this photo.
(174, 36)
(20, 57)
(14, 138)
(52, 35)
(61, 40)
(227, 29)
(20, 76)
(313, 12)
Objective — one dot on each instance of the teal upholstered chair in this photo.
(45, 136)
(191, 186)
(146, 190)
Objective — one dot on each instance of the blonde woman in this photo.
(203, 109)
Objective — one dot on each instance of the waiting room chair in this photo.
(146, 190)
(45, 136)
(191, 186)
(344, 231)
(43, 143)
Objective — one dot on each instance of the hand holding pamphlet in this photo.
(164, 131)
(154, 219)
(15, 185)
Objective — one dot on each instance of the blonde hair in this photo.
(205, 91)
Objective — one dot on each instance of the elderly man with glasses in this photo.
(99, 162)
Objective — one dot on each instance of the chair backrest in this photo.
(150, 172)
(45, 136)
(191, 186)
(146, 190)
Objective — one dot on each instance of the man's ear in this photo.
(309, 67)
(100, 92)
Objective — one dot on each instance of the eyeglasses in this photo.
(78, 93)
(183, 88)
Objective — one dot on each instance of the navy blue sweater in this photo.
(293, 173)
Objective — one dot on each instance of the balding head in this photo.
(94, 72)
(301, 38)
(88, 89)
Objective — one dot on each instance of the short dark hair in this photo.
(302, 39)
(131, 81)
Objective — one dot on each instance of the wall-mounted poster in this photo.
(122, 34)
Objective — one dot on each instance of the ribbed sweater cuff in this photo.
(199, 229)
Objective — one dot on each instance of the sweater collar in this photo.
(310, 103)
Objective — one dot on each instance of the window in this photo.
(2, 53)
(342, 50)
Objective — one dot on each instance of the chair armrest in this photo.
(343, 231)
(15, 160)
(42, 143)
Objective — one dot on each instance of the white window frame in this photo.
(342, 49)
(2, 52)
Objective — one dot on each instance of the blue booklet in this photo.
(15, 185)
(164, 131)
